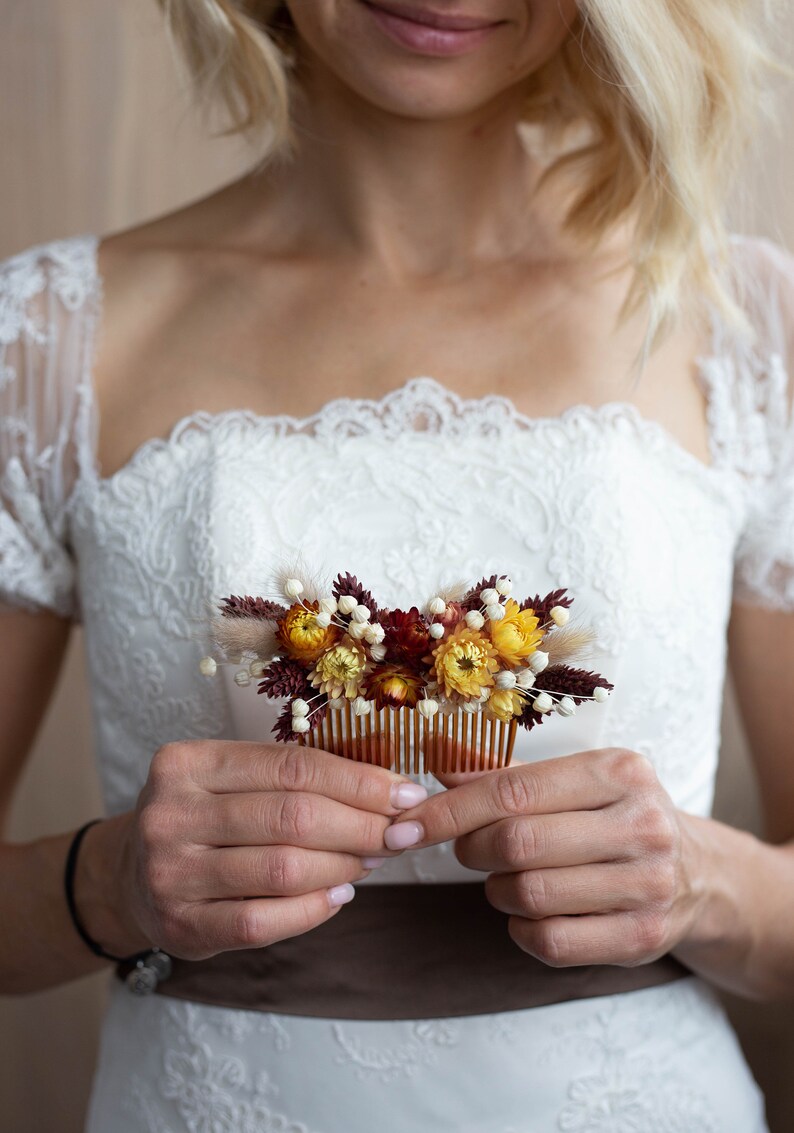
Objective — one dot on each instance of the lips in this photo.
(442, 20)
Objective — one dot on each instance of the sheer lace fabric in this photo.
(599, 499)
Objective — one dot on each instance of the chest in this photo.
(288, 339)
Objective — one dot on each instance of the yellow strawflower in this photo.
(464, 662)
(516, 634)
(504, 704)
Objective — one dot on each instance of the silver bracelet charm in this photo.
(149, 970)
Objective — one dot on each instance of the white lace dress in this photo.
(653, 543)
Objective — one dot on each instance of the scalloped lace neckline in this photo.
(421, 397)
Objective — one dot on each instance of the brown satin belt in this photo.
(401, 952)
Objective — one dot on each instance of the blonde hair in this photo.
(670, 89)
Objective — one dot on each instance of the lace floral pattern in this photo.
(657, 1061)
(599, 499)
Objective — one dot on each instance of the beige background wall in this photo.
(95, 134)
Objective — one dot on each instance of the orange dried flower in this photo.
(464, 663)
(300, 636)
(393, 687)
(516, 635)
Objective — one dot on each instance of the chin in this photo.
(432, 59)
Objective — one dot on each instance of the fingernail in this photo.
(372, 863)
(406, 795)
(403, 834)
(340, 894)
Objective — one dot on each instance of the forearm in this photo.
(742, 934)
(39, 946)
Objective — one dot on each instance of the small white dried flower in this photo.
(436, 606)
(208, 666)
(323, 619)
(242, 678)
(256, 668)
(474, 619)
(361, 614)
(472, 707)
(543, 702)
(427, 708)
(336, 703)
(374, 633)
(565, 707)
(489, 596)
(538, 661)
(505, 679)
(525, 679)
(495, 611)
(293, 588)
(300, 707)
(362, 706)
(377, 652)
(347, 604)
(559, 615)
(600, 693)
(504, 586)
(300, 724)
(328, 605)
(357, 630)
(436, 631)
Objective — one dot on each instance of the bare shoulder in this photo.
(168, 286)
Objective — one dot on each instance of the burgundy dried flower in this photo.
(579, 684)
(285, 678)
(349, 584)
(406, 637)
(248, 607)
(471, 600)
(529, 717)
(543, 606)
(282, 729)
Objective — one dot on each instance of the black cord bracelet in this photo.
(149, 967)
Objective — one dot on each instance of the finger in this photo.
(238, 766)
(539, 893)
(584, 781)
(627, 939)
(207, 928)
(267, 871)
(450, 779)
(288, 818)
(543, 841)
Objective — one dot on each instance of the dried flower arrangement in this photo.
(450, 684)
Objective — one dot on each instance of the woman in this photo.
(620, 424)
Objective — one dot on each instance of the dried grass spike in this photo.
(245, 635)
(569, 643)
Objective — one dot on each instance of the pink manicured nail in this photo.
(406, 795)
(341, 894)
(372, 863)
(401, 835)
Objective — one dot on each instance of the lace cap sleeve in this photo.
(48, 299)
(763, 432)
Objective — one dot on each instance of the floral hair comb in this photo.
(446, 687)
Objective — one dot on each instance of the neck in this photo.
(428, 198)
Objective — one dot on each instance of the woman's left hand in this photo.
(586, 853)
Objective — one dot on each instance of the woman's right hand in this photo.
(238, 845)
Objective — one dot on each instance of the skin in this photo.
(409, 208)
